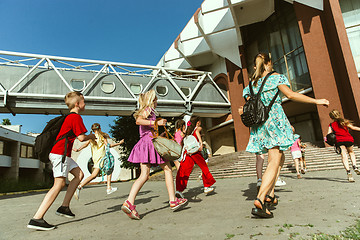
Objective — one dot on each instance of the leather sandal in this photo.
(261, 212)
(272, 200)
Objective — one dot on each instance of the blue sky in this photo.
(123, 31)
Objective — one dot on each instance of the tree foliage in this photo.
(6, 121)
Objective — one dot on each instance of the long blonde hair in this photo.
(97, 127)
(336, 115)
(260, 60)
(146, 100)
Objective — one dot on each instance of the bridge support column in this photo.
(13, 172)
(237, 80)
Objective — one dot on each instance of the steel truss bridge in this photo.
(37, 84)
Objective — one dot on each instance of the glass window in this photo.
(30, 151)
(186, 91)
(351, 14)
(279, 35)
(77, 84)
(1, 148)
(161, 90)
(107, 87)
(136, 88)
(23, 151)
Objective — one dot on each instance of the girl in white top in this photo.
(98, 153)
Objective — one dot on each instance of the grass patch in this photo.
(229, 236)
(350, 233)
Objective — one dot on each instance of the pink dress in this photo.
(144, 151)
(178, 138)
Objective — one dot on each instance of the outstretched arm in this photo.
(352, 127)
(117, 144)
(82, 147)
(298, 97)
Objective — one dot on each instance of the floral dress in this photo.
(276, 131)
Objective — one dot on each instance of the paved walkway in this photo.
(320, 202)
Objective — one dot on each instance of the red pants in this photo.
(186, 168)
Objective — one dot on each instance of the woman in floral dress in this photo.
(275, 135)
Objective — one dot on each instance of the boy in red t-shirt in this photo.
(76, 104)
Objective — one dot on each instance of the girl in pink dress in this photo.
(178, 136)
(145, 154)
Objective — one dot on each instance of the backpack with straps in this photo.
(47, 139)
(191, 144)
(107, 163)
(255, 112)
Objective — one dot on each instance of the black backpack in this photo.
(255, 112)
(47, 139)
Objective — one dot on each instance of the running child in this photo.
(145, 154)
(73, 122)
(178, 136)
(187, 165)
(98, 153)
(340, 126)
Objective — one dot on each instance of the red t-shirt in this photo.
(342, 133)
(72, 122)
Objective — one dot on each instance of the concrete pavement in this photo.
(320, 202)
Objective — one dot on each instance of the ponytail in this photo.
(191, 124)
(260, 60)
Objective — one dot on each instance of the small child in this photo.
(73, 122)
(145, 154)
(186, 166)
(178, 136)
(296, 153)
(98, 153)
(302, 159)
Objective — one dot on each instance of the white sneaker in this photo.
(208, 190)
(280, 182)
(179, 194)
(77, 193)
(111, 190)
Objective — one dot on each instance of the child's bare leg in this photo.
(90, 178)
(108, 181)
(59, 183)
(78, 176)
(177, 164)
(144, 176)
(259, 165)
(352, 155)
(344, 158)
(169, 180)
(296, 161)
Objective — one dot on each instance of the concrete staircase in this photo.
(242, 164)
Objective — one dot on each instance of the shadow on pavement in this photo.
(118, 197)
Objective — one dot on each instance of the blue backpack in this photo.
(107, 162)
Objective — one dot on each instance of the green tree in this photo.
(6, 121)
(126, 128)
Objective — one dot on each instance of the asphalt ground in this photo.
(320, 202)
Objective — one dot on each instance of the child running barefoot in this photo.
(186, 166)
(340, 126)
(98, 153)
(145, 154)
(73, 122)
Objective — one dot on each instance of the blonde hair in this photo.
(146, 100)
(260, 60)
(97, 127)
(336, 115)
(72, 98)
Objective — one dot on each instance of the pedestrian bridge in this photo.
(37, 84)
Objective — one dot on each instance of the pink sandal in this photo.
(178, 203)
(130, 210)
